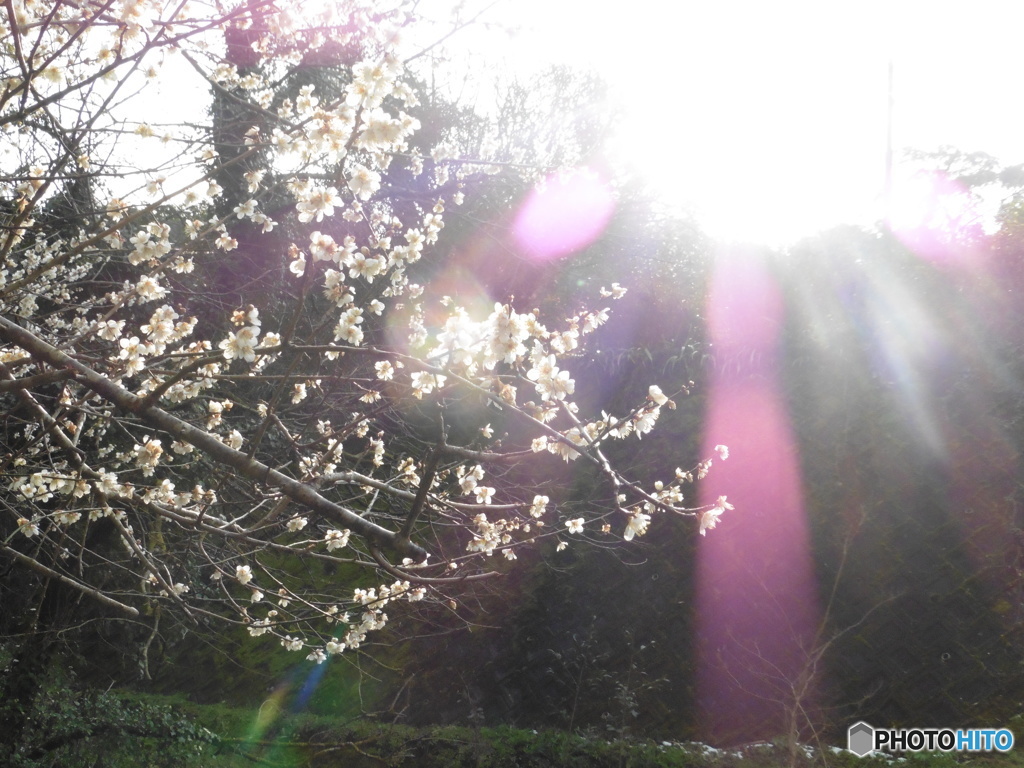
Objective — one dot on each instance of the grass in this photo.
(230, 737)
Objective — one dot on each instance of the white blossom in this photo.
(320, 202)
(241, 345)
(655, 394)
(539, 505)
(336, 539)
(636, 526)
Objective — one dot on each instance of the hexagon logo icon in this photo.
(860, 738)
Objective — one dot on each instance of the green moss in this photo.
(310, 741)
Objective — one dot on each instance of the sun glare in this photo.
(770, 122)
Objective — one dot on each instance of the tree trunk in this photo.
(26, 673)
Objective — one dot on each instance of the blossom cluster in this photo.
(234, 346)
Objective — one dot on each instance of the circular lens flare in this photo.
(564, 215)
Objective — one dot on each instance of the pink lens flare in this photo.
(757, 607)
(564, 215)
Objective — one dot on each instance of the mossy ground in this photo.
(235, 737)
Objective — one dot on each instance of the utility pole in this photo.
(887, 201)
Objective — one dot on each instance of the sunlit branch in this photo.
(431, 580)
(355, 478)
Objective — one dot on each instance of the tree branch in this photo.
(206, 442)
(84, 588)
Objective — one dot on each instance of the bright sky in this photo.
(770, 118)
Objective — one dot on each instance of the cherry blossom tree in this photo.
(225, 369)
